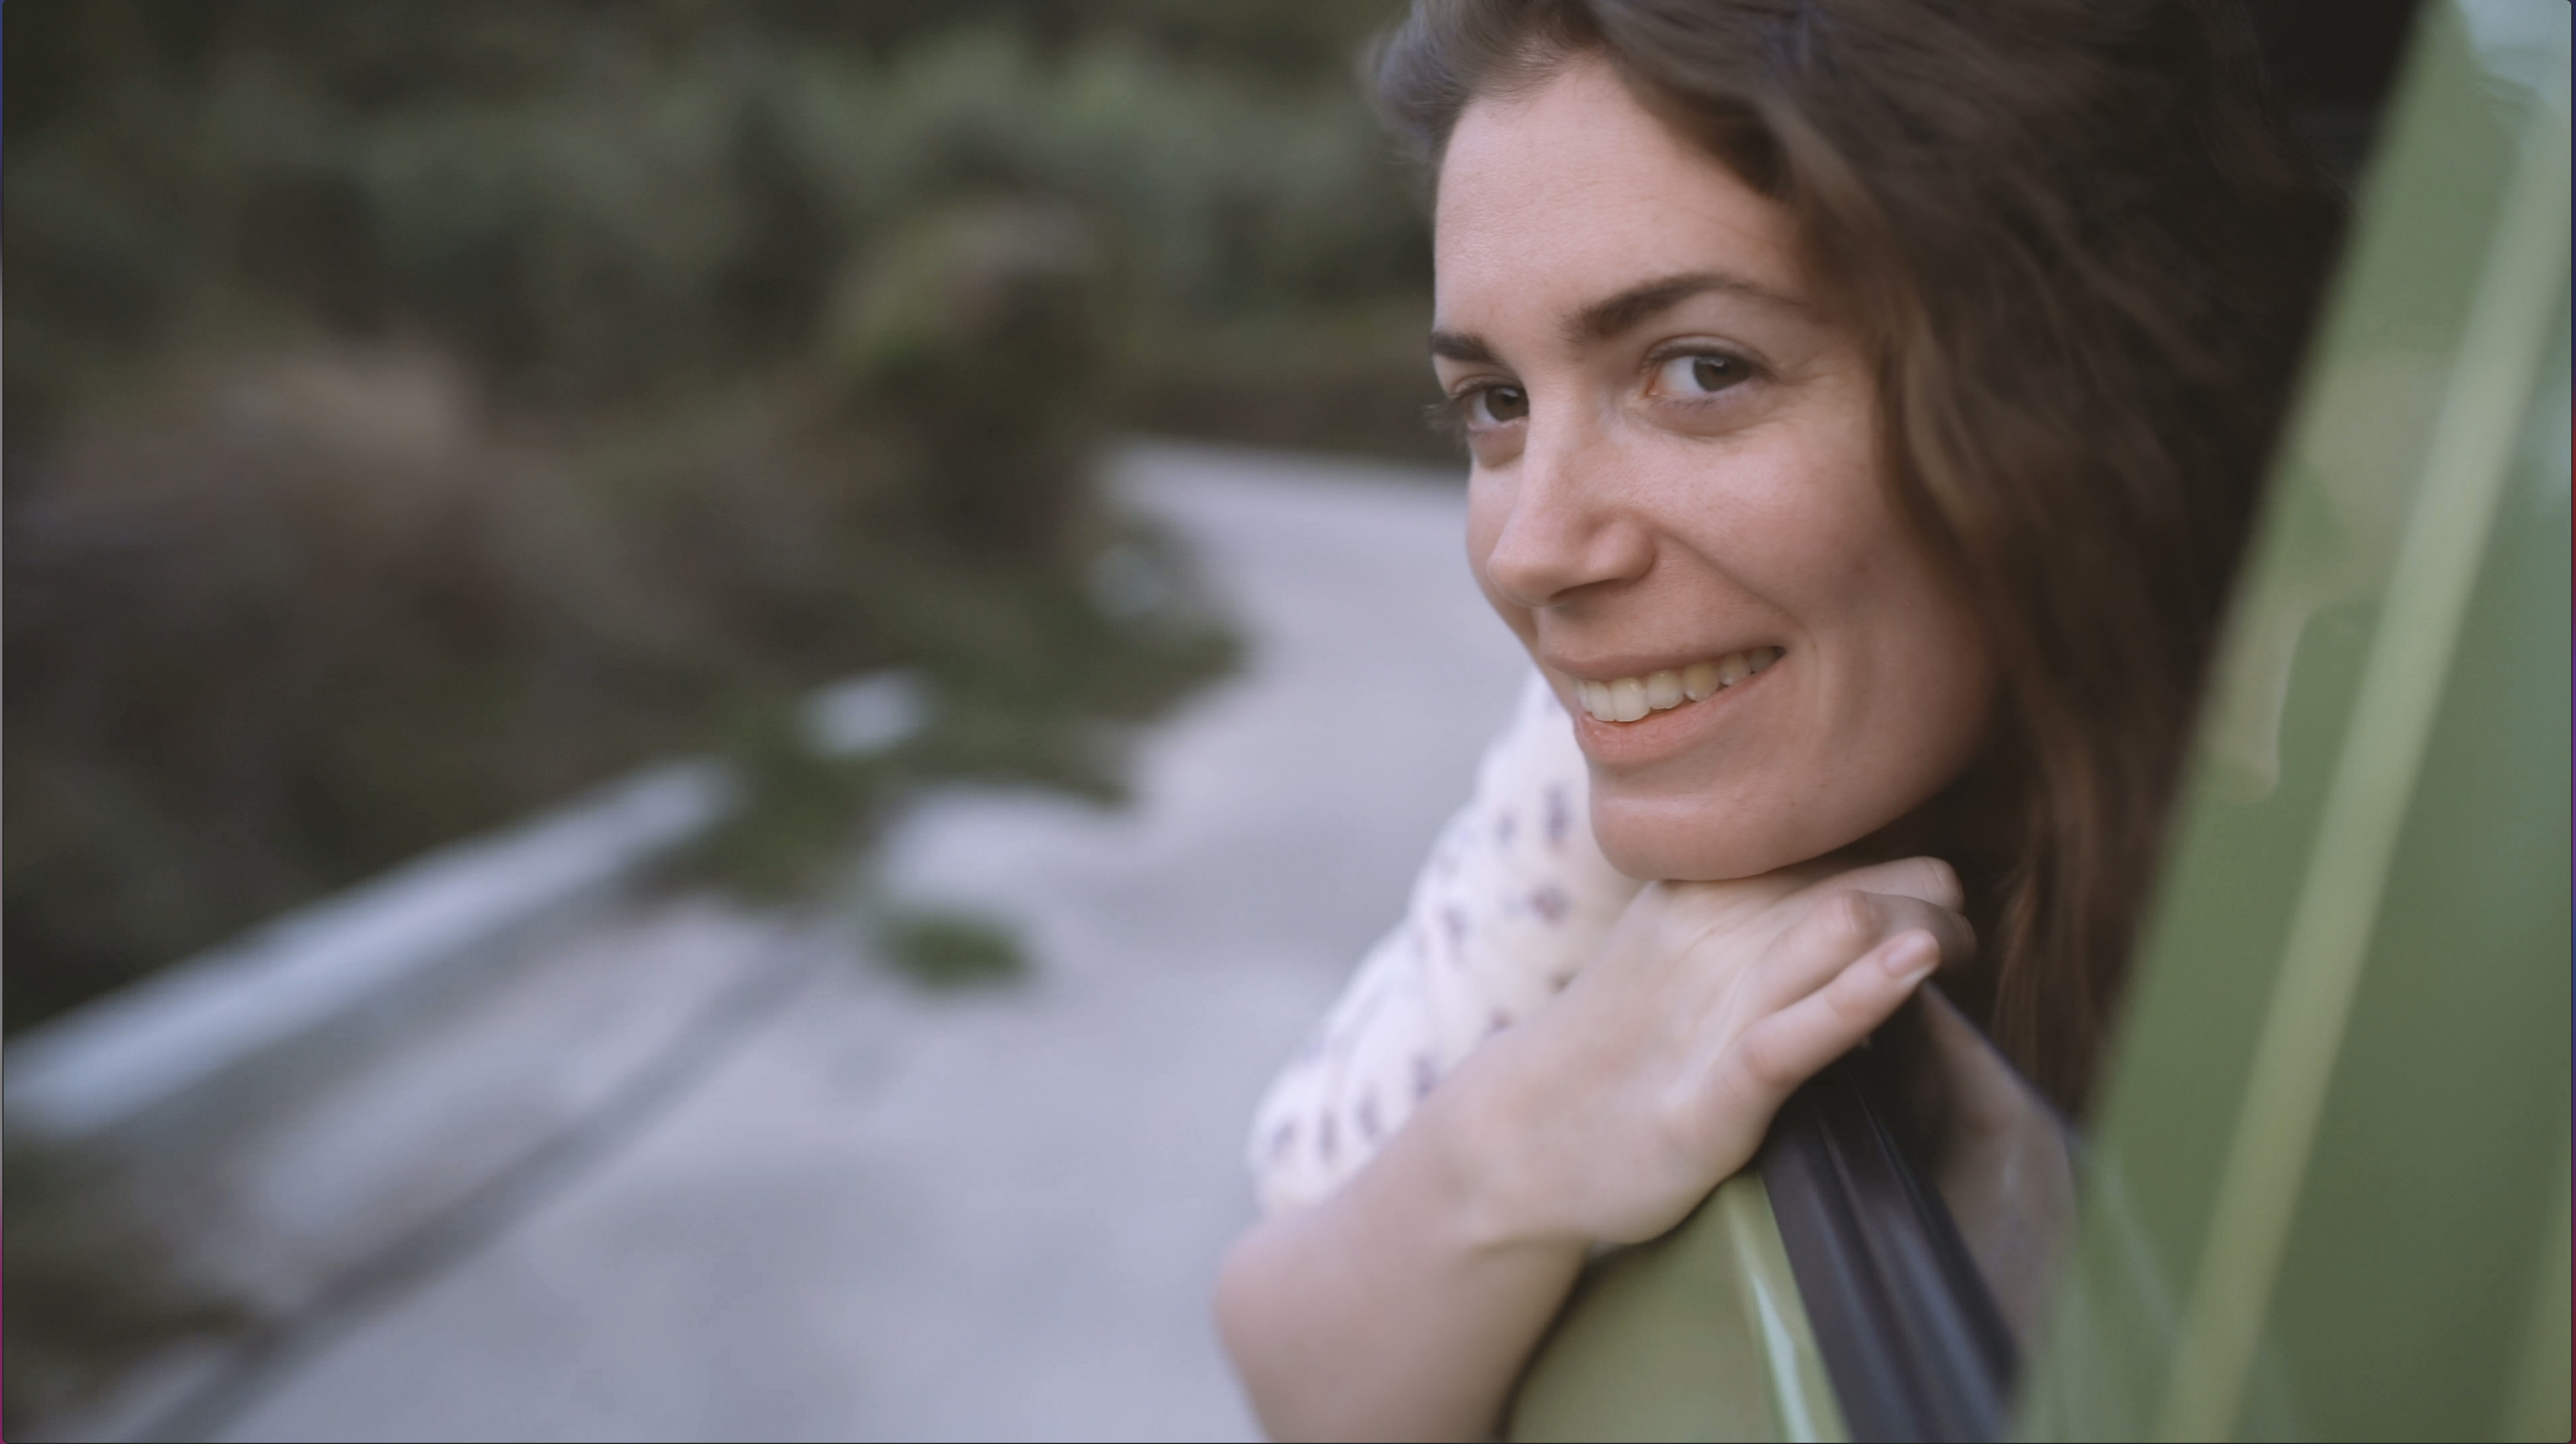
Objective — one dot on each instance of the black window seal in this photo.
(1914, 1343)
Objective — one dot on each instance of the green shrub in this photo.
(412, 418)
(947, 950)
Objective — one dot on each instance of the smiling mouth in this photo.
(1628, 699)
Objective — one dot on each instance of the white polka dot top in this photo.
(1514, 899)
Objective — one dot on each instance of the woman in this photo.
(1867, 399)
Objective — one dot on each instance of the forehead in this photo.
(1572, 191)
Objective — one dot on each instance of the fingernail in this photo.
(1911, 957)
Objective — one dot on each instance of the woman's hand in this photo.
(1608, 1115)
(1406, 1302)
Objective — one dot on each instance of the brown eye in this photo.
(1500, 405)
(1701, 374)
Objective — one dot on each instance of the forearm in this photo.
(1388, 1311)
(1405, 1304)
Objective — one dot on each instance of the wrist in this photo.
(1480, 1138)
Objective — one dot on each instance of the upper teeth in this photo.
(1630, 698)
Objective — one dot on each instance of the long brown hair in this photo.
(2080, 243)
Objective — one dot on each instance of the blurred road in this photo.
(882, 1214)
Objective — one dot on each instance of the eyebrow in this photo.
(1459, 346)
(1613, 316)
(1603, 320)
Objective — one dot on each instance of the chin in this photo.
(1670, 843)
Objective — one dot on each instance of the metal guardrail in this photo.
(347, 960)
(356, 958)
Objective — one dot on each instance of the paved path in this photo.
(885, 1215)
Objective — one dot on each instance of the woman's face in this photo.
(1679, 500)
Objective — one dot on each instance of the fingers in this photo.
(1950, 930)
(1926, 878)
(1841, 926)
(1791, 1045)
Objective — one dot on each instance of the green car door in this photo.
(2326, 1195)
(2329, 1197)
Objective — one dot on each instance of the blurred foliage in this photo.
(601, 199)
(949, 950)
(417, 413)
(92, 1290)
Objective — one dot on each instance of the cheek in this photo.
(1899, 691)
(1950, 684)
(1919, 691)
(1828, 534)
(1811, 525)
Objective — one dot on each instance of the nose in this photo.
(1563, 526)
